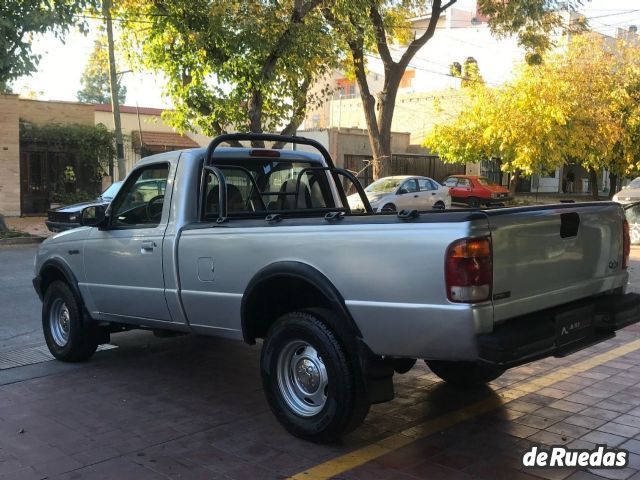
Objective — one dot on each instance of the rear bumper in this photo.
(558, 331)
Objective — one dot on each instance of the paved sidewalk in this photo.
(32, 225)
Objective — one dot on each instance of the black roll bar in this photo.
(222, 193)
(343, 196)
(268, 137)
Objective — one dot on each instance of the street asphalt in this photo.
(19, 304)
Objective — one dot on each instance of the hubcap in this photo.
(59, 322)
(302, 378)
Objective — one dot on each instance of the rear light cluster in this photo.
(626, 244)
(468, 270)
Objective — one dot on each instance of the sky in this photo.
(59, 71)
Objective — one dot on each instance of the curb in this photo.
(21, 241)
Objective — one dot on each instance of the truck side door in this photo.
(123, 263)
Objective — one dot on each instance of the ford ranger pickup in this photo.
(259, 244)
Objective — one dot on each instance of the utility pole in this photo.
(113, 82)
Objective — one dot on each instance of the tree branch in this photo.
(298, 114)
(221, 131)
(436, 10)
(381, 36)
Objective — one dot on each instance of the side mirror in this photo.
(93, 216)
(402, 191)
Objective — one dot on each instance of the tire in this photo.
(388, 208)
(68, 337)
(464, 374)
(473, 202)
(324, 401)
(439, 206)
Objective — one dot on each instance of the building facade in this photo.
(30, 169)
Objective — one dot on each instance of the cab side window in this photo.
(464, 182)
(141, 200)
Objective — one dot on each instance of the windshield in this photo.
(384, 185)
(635, 183)
(110, 192)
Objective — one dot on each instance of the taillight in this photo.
(626, 244)
(468, 270)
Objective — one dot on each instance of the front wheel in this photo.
(312, 387)
(69, 339)
(464, 374)
(389, 208)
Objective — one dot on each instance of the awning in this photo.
(157, 142)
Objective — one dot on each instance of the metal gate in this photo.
(424, 165)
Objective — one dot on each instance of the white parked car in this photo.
(630, 193)
(391, 194)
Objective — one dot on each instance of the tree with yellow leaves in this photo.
(580, 105)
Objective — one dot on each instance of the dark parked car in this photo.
(67, 217)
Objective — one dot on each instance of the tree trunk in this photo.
(513, 182)
(386, 107)
(593, 182)
(3, 226)
(613, 185)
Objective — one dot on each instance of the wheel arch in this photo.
(53, 270)
(286, 286)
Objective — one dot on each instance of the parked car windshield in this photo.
(635, 183)
(110, 192)
(384, 185)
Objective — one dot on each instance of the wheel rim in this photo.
(388, 208)
(302, 378)
(59, 322)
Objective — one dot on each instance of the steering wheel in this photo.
(154, 207)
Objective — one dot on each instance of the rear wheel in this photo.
(464, 374)
(312, 387)
(388, 208)
(439, 206)
(473, 202)
(69, 338)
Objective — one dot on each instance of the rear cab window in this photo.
(268, 185)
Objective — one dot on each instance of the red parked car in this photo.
(476, 191)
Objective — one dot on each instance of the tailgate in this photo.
(550, 255)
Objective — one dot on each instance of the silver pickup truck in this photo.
(258, 243)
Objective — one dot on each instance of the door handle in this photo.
(147, 246)
(433, 193)
(415, 196)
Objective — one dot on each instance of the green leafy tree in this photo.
(372, 26)
(234, 64)
(95, 78)
(20, 20)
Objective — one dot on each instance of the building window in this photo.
(346, 87)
